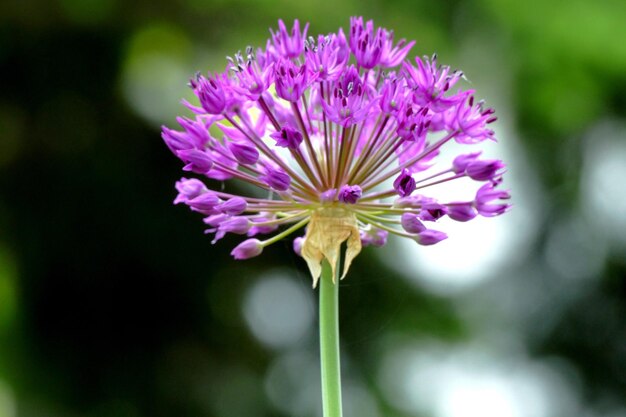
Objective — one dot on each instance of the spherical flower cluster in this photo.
(338, 135)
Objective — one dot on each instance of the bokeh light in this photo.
(279, 310)
(603, 194)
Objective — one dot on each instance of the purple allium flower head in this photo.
(336, 148)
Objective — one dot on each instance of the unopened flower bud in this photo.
(297, 245)
(188, 189)
(411, 223)
(233, 206)
(484, 170)
(197, 161)
(462, 161)
(430, 237)
(204, 202)
(243, 153)
(350, 194)
(461, 212)
(404, 184)
(247, 249)
(276, 179)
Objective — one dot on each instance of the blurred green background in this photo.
(114, 304)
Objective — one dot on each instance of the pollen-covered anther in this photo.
(328, 229)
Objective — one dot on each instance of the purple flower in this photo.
(189, 189)
(297, 245)
(404, 184)
(411, 223)
(366, 45)
(433, 211)
(237, 225)
(348, 103)
(392, 56)
(197, 161)
(287, 137)
(487, 200)
(244, 153)
(430, 237)
(461, 162)
(430, 83)
(413, 126)
(321, 140)
(291, 80)
(373, 237)
(350, 194)
(471, 121)
(392, 95)
(211, 93)
(253, 79)
(484, 170)
(215, 219)
(327, 58)
(195, 135)
(276, 179)
(204, 203)
(247, 249)
(263, 224)
(287, 44)
(461, 212)
(233, 206)
(328, 196)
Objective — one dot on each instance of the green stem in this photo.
(329, 342)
